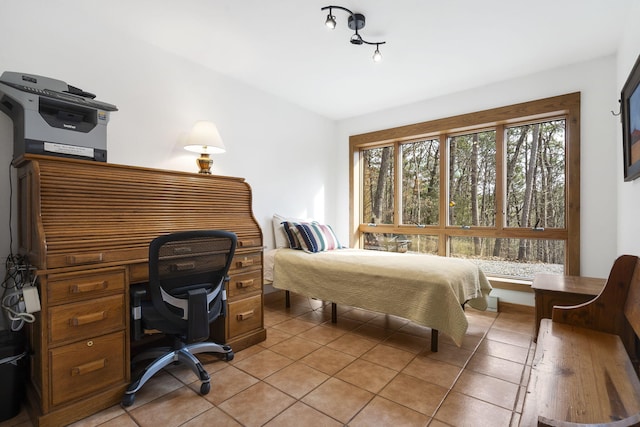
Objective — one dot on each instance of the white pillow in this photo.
(280, 236)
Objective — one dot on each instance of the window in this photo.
(420, 182)
(378, 188)
(500, 187)
(472, 179)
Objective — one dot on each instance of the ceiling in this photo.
(433, 48)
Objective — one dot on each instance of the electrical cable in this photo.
(18, 318)
(10, 210)
(18, 274)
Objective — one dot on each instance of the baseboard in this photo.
(508, 307)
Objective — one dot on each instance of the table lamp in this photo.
(205, 139)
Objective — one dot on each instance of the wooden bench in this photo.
(632, 421)
(584, 371)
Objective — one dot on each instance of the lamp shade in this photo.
(204, 138)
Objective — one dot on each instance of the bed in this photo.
(427, 289)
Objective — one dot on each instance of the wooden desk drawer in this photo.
(246, 261)
(64, 288)
(195, 247)
(249, 242)
(139, 272)
(245, 315)
(86, 319)
(81, 368)
(244, 283)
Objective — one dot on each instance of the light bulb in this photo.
(331, 21)
(377, 56)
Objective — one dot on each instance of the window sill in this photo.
(510, 284)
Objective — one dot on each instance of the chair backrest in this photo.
(187, 274)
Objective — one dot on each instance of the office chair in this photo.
(186, 292)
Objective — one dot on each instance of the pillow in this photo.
(279, 235)
(314, 237)
(293, 236)
(281, 238)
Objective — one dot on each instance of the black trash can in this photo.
(13, 371)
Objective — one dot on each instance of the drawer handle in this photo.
(182, 250)
(88, 367)
(244, 243)
(85, 258)
(246, 315)
(79, 288)
(244, 263)
(183, 266)
(244, 283)
(88, 318)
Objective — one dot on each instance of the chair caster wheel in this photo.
(205, 388)
(229, 356)
(127, 399)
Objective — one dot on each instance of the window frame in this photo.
(564, 106)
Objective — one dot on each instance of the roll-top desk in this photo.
(86, 227)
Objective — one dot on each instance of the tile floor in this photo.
(367, 370)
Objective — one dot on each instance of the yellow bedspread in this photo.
(426, 289)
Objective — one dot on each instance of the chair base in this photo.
(180, 353)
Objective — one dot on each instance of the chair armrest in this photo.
(198, 318)
(223, 309)
(137, 294)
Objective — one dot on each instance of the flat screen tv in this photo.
(630, 103)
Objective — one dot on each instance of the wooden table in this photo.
(556, 289)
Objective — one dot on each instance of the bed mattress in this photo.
(427, 289)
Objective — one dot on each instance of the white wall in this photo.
(628, 206)
(271, 143)
(599, 173)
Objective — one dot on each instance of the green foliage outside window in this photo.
(533, 191)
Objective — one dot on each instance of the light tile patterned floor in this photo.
(367, 370)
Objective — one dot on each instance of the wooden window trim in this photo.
(567, 106)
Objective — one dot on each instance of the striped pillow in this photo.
(316, 237)
(292, 234)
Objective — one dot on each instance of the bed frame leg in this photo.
(287, 299)
(334, 312)
(434, 340)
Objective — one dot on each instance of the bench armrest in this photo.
(604, 313)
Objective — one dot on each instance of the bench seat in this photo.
(581, 373)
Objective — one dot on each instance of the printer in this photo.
(51, 117)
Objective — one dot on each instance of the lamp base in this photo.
(204, 162)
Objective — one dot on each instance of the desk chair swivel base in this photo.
(181, 353)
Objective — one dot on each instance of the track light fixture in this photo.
(355, 22)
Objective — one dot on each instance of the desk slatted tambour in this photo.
(86, 227)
